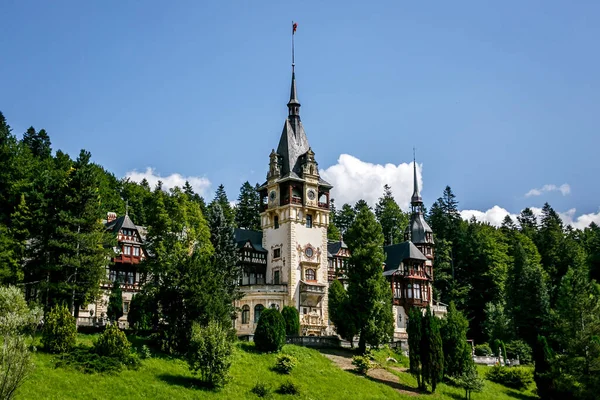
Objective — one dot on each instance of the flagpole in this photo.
(293, 64)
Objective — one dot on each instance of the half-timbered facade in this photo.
(123, 267)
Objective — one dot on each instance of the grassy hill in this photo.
(168, 378)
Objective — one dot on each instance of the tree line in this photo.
(530, 283)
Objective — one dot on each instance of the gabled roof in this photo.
(243, 236)
(334, 247)
(122, 222)
(397, 253)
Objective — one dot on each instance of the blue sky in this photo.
(498, 98)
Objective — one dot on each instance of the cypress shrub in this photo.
(270, 331)
(113, 343)
(60, 331)
(292, 320)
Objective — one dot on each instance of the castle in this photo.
(290, 262)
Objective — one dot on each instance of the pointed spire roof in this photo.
(293, 142)
(293, 92)
(416, 196)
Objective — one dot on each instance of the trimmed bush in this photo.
(210, 352)
(292, 320)
(285, 363)
(113, 343)
(289, 387)
(513, 377)
(270, 331)
(483, 350)
(362, 363)
(60, 331)
(261, 389)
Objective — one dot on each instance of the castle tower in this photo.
(418, 231)
(294, 220)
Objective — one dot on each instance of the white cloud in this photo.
(201, 185)
(353, 179)
(564, 189)
(496, 214)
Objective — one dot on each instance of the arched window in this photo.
(246, 314)
(275, 306)
(310, 275)
(257, 310)
(276, 222)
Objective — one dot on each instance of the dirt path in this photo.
(343, 359)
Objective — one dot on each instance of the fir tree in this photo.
(457, 351)
(340, 312)
(223, 201)
(37, 142)
(224, 260)
(432, 353)
(247, 212)
(345, 218)
(369, 292)
(393, 221)
(415, 337)
(528, 222)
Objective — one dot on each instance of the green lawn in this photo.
(167, 378)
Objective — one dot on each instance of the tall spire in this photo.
(416, 199)
(293, 104)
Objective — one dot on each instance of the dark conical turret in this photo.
(416, 199)
(294, 104)
(417, 231)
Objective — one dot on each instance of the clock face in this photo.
(309, 252)
(311, 194)
(272, 195)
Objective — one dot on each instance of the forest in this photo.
(530, 283)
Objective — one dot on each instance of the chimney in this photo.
(110, 217)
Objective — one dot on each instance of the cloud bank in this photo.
(496, 214)
(354, 179)
(201, 185)
(564, 189)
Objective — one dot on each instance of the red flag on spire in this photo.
(294, 26)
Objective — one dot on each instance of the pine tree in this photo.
(247, 213)
(457, 351)
(528, 222)
(393, 221)
(578, 333)
(444, 217)
(182, 281)
(432, 353)
(345, 218)
(226, 269)
(115, 302)
(368, 290)
(37, 142)
(340, 312)
(223, 201)
(333, 233)
(415, 337)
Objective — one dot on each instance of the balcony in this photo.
(411, 273)
(324, 205)
(399, 301)
(439, 309)
(267, 288)
(311, 294)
